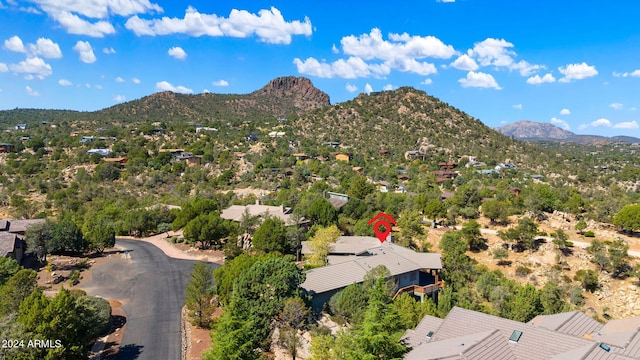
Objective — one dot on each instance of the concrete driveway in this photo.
(151, 287)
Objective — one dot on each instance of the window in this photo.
(515, 336)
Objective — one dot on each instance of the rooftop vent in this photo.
(515, 336)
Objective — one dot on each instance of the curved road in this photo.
(151, 287)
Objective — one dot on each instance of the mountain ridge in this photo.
(537, 131)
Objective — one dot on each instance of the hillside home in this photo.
(189, 158)
(101, 152)
(251, 137)
(467, 334)
(87, 139)
(384, 152)
(351, 257)
(121, 161)
(357, 169)
(444, 175)
(333, 144)
(336, 199)
(447, 165)
(276, 134)
(6, 148)
(382, 186)
(343, 157)
(12, 242)
(414, 155)
(300, 156)
(203, 128)
(236, 213)
(21, 127)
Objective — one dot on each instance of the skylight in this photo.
(515, 336)
(429, 334)
(605, 347)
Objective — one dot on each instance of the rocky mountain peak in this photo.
(298, 87)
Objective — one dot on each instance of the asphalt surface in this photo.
(151, 287)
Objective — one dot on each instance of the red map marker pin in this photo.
(382, 219)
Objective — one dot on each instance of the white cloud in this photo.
(427, 81)
(135, 80)
(626, 125)
(351, 88)
(334, 49)
(498, 53)
(517, 106)
(373, 46)
(120, 80)
(465, 62)
(119, 98)
(616, 106)
(635, 73)
(480, 80)
(86, 52)
(108, 51)
(99, 87)
(372, 56)
(368, 89)
(77, 26)
(352, 68)
(220, 83)
(72, 14)
(46, 48)
(3, 67)
(447, 1)
(166, 86)
(268, 25)
(560, 123)
(565, 111)
(31, 92)
(387, 87)
(177, 53)
(32, 67)
(14, 44)
(577, 72)
(602, 122)
(64, 82)
(536, 80)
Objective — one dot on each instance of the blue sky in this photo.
(575, 64)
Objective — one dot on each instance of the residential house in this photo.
(276, 134)
(236, 213)
(189, 158)
(336, 199)
(467, 334)
(357, 169)
(101, 152)
(343, 157)
(12, 233)
(333, 144)
(21, 127)
(382, 186)
(282, 119)
(447, 165)
(444, 175)
(6, 148)
(117, 160)
(174, 152)
(351, 257)
(87, 139)
(400, 189)
(301, 156)
(251, 137)
(384, 152)
(203, 128)
(414, 155)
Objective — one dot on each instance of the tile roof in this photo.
(18, 226)
(417, 336)
(575, 323)
(535, 342)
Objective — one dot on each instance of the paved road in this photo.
(151, 287)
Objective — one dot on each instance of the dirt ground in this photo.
(615, 299)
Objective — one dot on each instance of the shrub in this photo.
(589, 234)
(74, 277)
(523, 271)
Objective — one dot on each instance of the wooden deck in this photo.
(420, 291)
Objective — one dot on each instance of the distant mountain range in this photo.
(535, 131)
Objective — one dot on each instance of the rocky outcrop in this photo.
(535, 130)
(300, 88)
